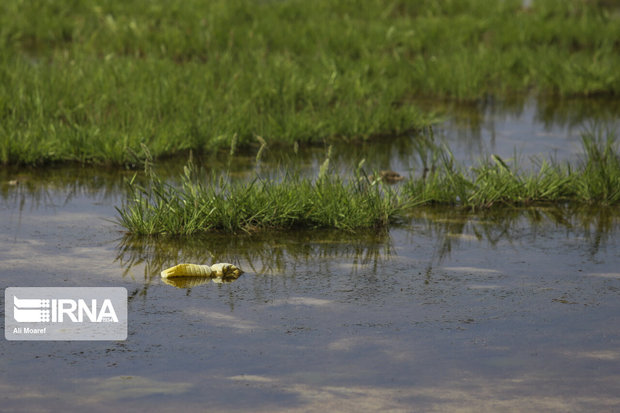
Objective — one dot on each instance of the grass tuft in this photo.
(595, 179)
(220, 205)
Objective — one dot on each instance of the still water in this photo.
(513, 310)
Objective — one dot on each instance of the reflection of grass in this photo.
(33, 188)
(332, 202)
(590, 225)
(90, 81)
(468, 119)
(260, 253)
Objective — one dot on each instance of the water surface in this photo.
(512, 310)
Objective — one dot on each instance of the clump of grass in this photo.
(220, 205)
(599, 178)
(595, 179)
(200, 205)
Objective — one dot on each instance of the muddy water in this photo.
(512, 310)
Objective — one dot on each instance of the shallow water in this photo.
(511, 310)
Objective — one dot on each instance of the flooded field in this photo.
(510, 310)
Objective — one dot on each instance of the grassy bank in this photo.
(92, 81)
(200, 204)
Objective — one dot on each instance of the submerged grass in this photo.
(201, 205)
(92, 81)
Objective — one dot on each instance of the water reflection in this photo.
(468, 120)
(273, 253)
(326, 251)
(450, 227)
(541, 126)
(189, 282)
(33, 188)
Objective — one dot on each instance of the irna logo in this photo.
(34, 310)
(65, 313)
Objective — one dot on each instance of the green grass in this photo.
(92, 81)
(595, 179)
(199, 204)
